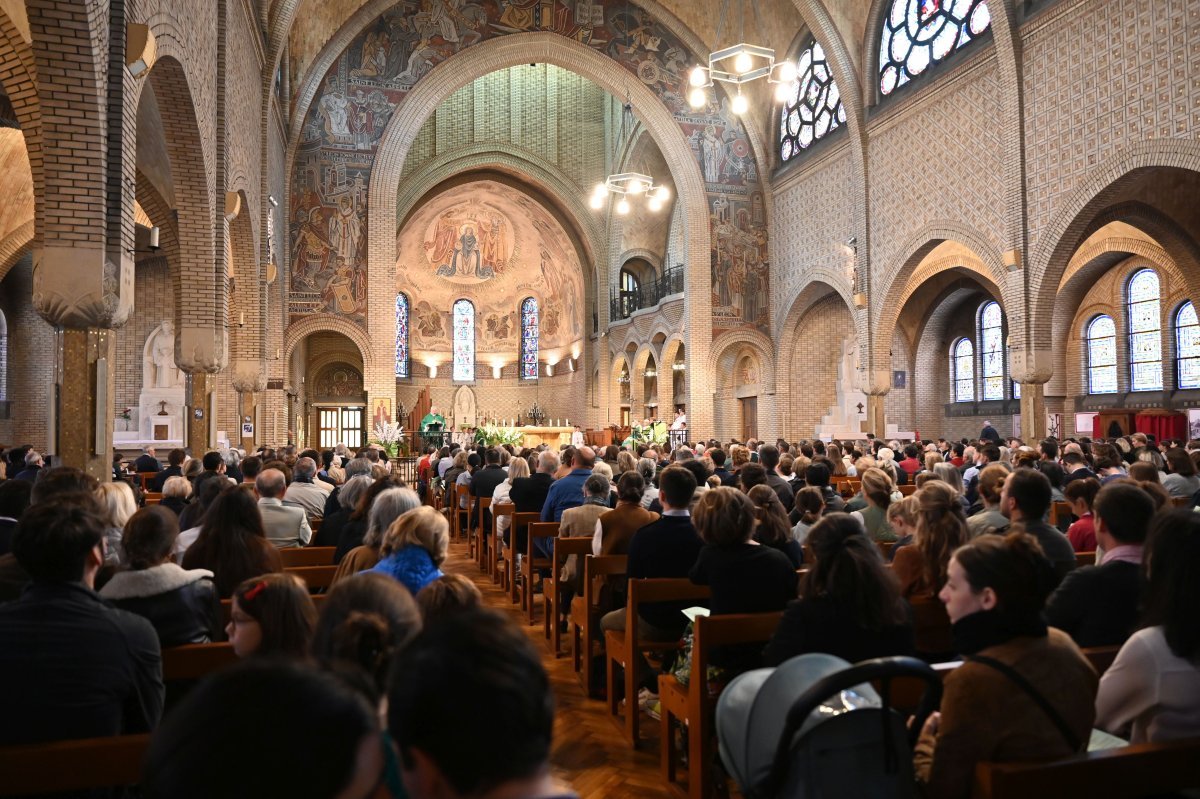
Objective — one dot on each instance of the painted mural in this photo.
(495, 246)
(362, 90)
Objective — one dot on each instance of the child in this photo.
(902, 516)
(1081, 494)
(271, 615)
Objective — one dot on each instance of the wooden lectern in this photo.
(1105, 421)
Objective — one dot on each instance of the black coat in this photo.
(183, 606)
(147, 463)
(156, 484)
(1097, 605)
(528, 494)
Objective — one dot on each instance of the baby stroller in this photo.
(815, 727)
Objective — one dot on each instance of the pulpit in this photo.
(1113, 424)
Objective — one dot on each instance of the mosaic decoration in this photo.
(991, 323)
(529, 339)
(964, 371)
(919, 33)
(1187, 347)
(817, 108)
(1145, 332)
(1101, 340)
(363, 89)
(464, 341)
(402, 364)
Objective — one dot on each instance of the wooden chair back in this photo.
(580, 547)
(885, 549)
(520, 524)
(193, 661)
(1085, 558)
(584, 617)
(144, 478)
(316, 577)
(307, 556)
(315, 525)
(908, 489)
(497, 546)
(535, 561)
(1130, 771)
(462, 497)
(1101, 657)
(477, 536)
(152, 497)
(1181, 502)
(1059, 512)
(80, 765)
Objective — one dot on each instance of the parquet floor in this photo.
(589, 754)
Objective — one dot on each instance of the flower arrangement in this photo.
(390, 436)
(492, 435)
(126, 414)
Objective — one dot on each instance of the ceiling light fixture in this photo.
(628, 184)
(739, 64)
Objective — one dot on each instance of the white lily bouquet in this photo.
(389, 435)
(492, 435)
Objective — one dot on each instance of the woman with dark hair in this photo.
(1181, 479)
(850, 603)
(192, 517)
(921, 567)
(1081, 494)
(450, 593)
(249, 731)
(772, 528)
(810, 504)
(232, 544)
(271, 615)
(182, 605)
(355, 528)
(1025, 692)
(1153, 687)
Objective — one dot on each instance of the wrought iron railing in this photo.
(622, 304)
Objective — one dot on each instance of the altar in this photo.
(554, 437)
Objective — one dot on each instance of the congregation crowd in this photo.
(95, 584)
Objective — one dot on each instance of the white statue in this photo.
(158, 369)
(464, 408)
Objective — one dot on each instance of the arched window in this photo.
(464, 341)
(815, 110)
(1101, 340)
(1187, 347)
(991, 350)
(918, 33)
(402, 335)
(963, 369)
(529, 339)
(1145, 332)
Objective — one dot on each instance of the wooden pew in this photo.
(193, 661)
(496, 561)
(307, 556)
(520, 521)
(1129, 771)
(533, 562)
(908, 489)
(144, 479)
(152, 498)
(1059, 511)
(317, 577)
(1101, 657)
(552, 603)
(1085, 559)
(79, 765)
(478, 546)
(462, 515)
(1181, 502)
(694, 705)
(584, 618)
(623, 648)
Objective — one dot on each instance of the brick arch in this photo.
(18, 76)
(789, 328)
(326, 323)
(930, 353)
(14, 246)
(733, 342)
(247, 346)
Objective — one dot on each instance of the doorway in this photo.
(340, 425)
(749, 417)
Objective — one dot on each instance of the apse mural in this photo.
(362, 90)
(491, 244)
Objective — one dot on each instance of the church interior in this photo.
(294, 225)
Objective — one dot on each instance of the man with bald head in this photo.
(286, 526)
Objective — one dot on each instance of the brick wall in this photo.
(31, 360)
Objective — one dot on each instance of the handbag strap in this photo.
(1024, 684)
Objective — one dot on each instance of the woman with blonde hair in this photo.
(902, 516)
(625, 462)
(877, 490)
(119, 505)
(414, 547)
(921, 567)
(517, 468)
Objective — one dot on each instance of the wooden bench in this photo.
(1181, 502)
(1085, 559)
(552, 604)
(1101, 657)
(1129, 771)
(623, 648)
(533, 562)
(316, 577)
(152, 498)
(584, 618)
(193, 661)
(478, 539)
(694, 705)
(144, 479)
(496, 559)
(307, 556)
(908, 489)
(1058, 512)
(79, 765)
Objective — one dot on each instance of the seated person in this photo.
(1025, 692)
(1151, 692)
(990, 519)
(850, 603)
(414, 547)
(772, 526)
(1098, 605)
(477, 665)
(1082, 532)
(73, 667)
(1025, 500)
(271, 615)
(284, 525)
(182, 605)
(231, 543)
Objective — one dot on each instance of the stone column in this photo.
(84, 441)
(876, 421)
(195, 397)
(249, 378)
(1032, 369)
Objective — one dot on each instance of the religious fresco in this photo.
(493, 245)
(338, 381)
(363, 89)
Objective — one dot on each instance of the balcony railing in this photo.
(622, 304)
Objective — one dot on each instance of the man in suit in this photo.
(989, 433)
(303, 492)
(1098, 605)
(147, 462)
(34, 463)
(1075, 465)
(286, 526)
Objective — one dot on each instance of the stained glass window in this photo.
(815, 110)
(1187, 347)
(529, 339)
(919, 33)
(991, 346)
(963, 361)
(402, 335)
(1101, 341)
(1145, 332)
(464, 340)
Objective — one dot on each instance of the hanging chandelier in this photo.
(739, 64)
(625, 185)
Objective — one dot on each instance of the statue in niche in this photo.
(464, 408)
(158, 359)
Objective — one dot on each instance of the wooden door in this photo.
(749, 418)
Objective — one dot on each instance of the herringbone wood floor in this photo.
(589, 755)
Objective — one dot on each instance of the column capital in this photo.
(875, 382)
(1031, 366)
